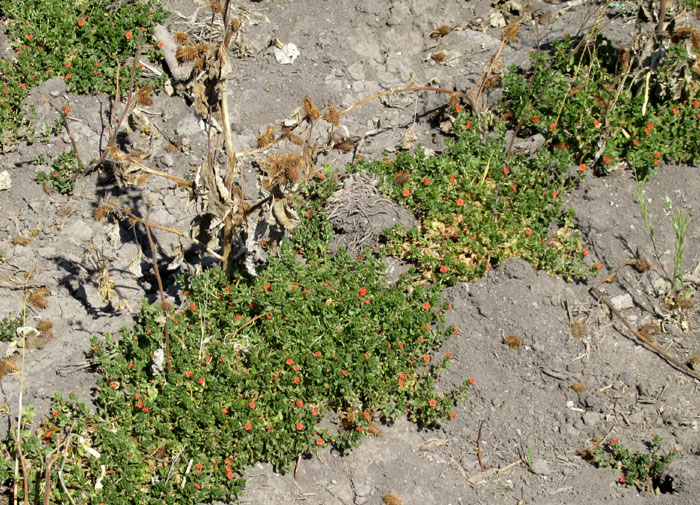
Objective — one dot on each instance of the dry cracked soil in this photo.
(522, 418)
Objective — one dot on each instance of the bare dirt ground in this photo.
(523, 406)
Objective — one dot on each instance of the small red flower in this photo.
(596, 123)
(696, 103)
(320, 176)
(606, 159)
(68, 64)
(598, 266)
(622, 479)
(528, 232)
(400, 382)
(426, 306)
(406, 192)
(586, 253)
(582, 167)
(460, 202)
(30, 36)
(444, 269)
(160, 45)
(675, 111)
(363, 291)
(472, 381)
(299, 403)
(426, 181)
(314, 411)
(299, 426)
(251, 405)
(224, 410)
(535, 119)
(452, 415)
(201, 380)
(366, 355)
(229, 475)
(317, 354)
(432, 402)
(248, 427)
(189, 373)
(400, 344)
(237, 318)
(319, 441)
(197, 486)
(146, 410)
(81, 22)
(68, 76)
(128, 35)
(193, 307)
(297, 380)
(426, 358)
(553, 126)
(290, 361)
(635, 142)
(452, 178)
(345, 372)
(448, 355)
(657, 155)
(227, 289)
(574, 91)
(293, 287)
(458, 108)
(139, 404)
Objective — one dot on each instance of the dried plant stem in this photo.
(141, 166)
(478, 447)
(252, 321)
(669, 359)
(154, 256)
(176, 232)
(64, 117)
(465, 96)
(25, 475)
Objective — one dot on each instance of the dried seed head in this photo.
(102, 212)
(685, 303)
(561, 146)
(45, 327)
(401, 178)
(601, 103)
(454, 100)
(20, 240)
(348, 420)
(374, 429)
(236, 23)
(510, 34)
(649, 330)
(7, 366)
(391, 499)
(181, 38)
(576, 330)
(332, 115)
(694, 362)
(310, 110)
(141, 179)
(215, 7)
(345, 146)
(143, 96)
(512, 341)
(439, 56)
(292, 167)
(587, 455)
(695, 40)
(295, 139)
(579, 387)
(266, 138)
(642, 265)
(38, 298)
(166, 306)
(440, 31)
(185, 54)
(492, 81)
